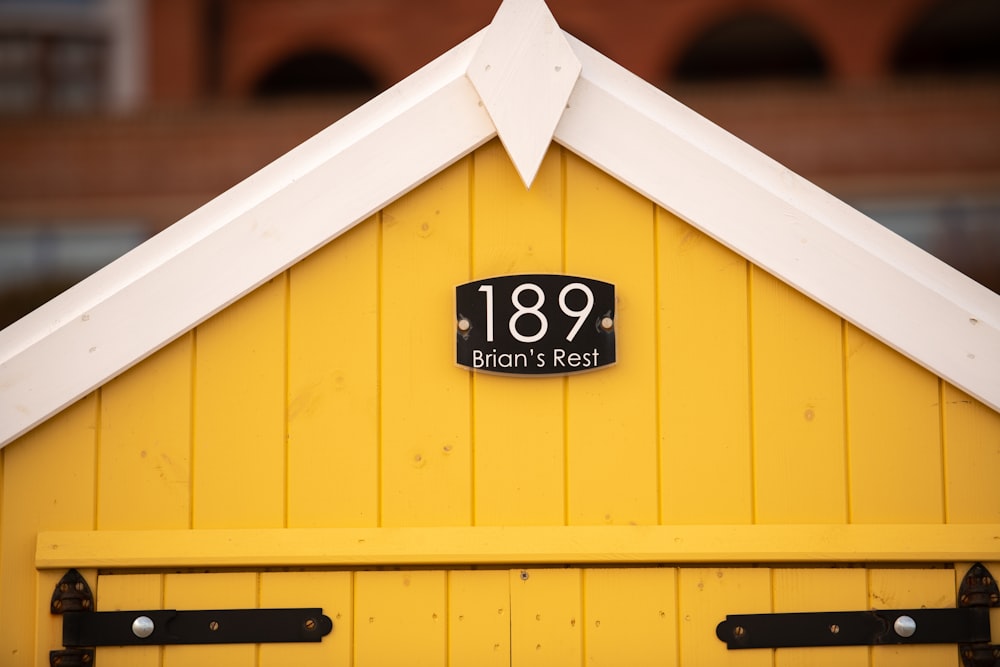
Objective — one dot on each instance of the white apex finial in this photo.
(524, 72)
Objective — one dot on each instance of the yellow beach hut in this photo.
(320, 420)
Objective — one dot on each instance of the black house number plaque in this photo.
(535, 324)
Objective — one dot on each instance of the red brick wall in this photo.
(863, 141)
(393, 37)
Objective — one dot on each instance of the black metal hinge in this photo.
(84, 629)
(968, 625)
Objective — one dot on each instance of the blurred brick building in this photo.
(119, 117)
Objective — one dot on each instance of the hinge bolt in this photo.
(905, 626)
(142, 627)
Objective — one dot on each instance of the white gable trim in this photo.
(878, 281)
(136, 305)
(525, 71)
(871, 277)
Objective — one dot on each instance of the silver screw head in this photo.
(905, 626)
(142, 627)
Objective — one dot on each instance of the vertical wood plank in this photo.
(144, 470)
(519, 475)
(809, 589)
(546, 623)
(231, 590)
(400, 618)
(49, 484)
(705, 596)
(239, 429)
(894, 436)
(972, 459)
(479, 618)
(798, 406)
(329, 590)
(704, 378)
(333, 424)
(126, 592)
(611, 415)
(912, 588)
(630, 617)
(426, 439)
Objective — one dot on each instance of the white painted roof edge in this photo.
(168, 285)
(525, 71)
(868, 275)
(873, 278)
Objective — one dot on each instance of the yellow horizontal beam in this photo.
(611, 545)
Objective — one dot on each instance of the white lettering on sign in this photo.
(534, 310)
(496, 360)
(558, 360)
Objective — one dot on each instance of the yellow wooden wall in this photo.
(329, 397)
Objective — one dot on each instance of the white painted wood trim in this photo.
(524, 71)
(165, 287)
(836, 255)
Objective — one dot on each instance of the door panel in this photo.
(400, 619)
(126, 592)
(543, 616)
(546, 619)
(705, 596)
(330, 590)
(802, 589)
(630, 617)
(912, 588)
(209, 591)
(479, 618)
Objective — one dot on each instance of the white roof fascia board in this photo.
(524, 71)
(174, 281)
(836, 255)
(220, 211)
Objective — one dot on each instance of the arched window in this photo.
(748, 48)
(315, 73)
(953, 37)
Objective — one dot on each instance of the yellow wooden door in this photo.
(538, 616)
